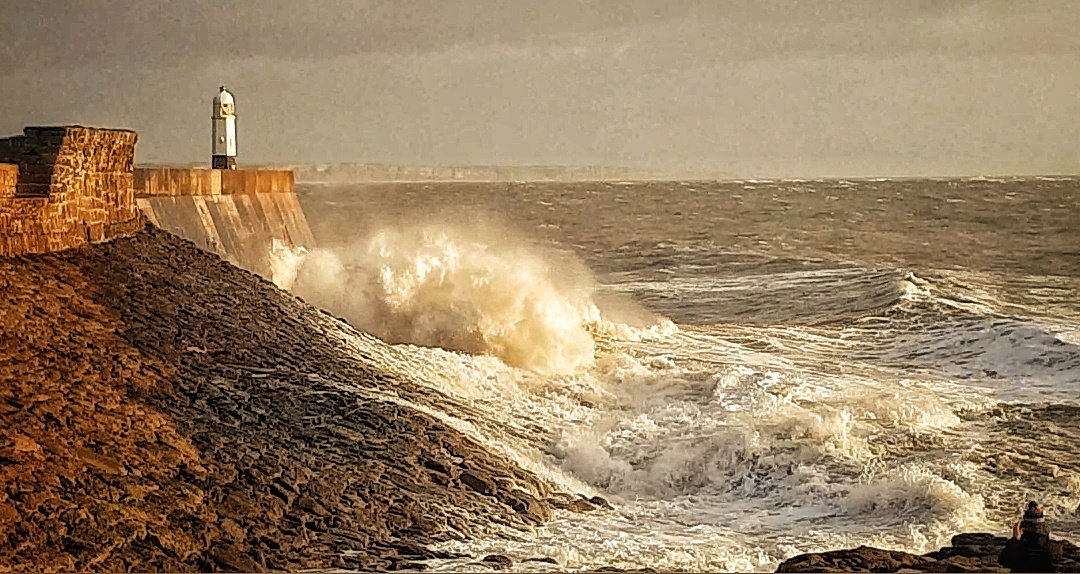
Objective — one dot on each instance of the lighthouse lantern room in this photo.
(224, 131)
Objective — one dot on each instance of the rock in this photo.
(580, 505)
(529, 507)
(969, 552)
(475, 482)
(861, 559)
(977, 539)
(498, 561)
(542, 560)
(26, 444)
(601, 502)
(232, 557)
(8, 515)
(138, 439)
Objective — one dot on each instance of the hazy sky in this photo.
(748, 88)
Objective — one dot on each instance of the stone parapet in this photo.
(72, 186)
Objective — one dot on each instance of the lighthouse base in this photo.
(223, 162)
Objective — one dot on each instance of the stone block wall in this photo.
(9, 176)
(174, 182)
(244, 215)
(73, 186)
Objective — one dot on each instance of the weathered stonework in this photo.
(242, 215)
(66, 187)
(9, 175)
(173, 182)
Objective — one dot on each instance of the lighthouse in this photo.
(224, 131)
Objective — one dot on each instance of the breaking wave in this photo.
(470, 291)
(802, 404)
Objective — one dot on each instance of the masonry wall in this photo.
(9, 175)
(157, 182)
(64, 187)
(243, 215)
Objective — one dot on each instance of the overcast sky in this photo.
(889, 87)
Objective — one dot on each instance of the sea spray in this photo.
(457, 289)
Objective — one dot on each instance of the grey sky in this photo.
(748, 88)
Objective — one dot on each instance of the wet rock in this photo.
(969, 552)
(477, 483)
(542, 560)
(529, 507)
(498, 561)
(165, 411)
(601, 502)
(580, 505)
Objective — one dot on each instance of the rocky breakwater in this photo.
(969, 552)
(163, 410)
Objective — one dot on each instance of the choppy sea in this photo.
(746, 370)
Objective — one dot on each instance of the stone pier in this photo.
(68, 186)
(241, 214)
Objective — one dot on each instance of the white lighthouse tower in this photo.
(224, 131)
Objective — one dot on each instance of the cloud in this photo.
(755, 87)
(144, 33)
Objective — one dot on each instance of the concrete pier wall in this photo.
(240, 214)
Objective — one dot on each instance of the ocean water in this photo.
(746, 370)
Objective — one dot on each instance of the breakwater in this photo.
(164, 410)
(241, 214)
(68, 186)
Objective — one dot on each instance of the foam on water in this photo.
(722, 447)
(467, 291)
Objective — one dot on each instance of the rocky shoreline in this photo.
(166, 411)
(968, 552)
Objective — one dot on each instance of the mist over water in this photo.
(746, 370)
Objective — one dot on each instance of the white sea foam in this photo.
(722, 448)
(457, 289)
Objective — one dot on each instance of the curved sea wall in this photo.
(240, 214)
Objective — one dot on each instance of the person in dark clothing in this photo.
(1029, 549)
(1034, 522)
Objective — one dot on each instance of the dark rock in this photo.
(977, 539)
(188, 415)
(861, 559)
(580, 505)
(475, 482)
(969, 552)
(498, 561)
(528, 507)
(542, 560)
(601, 502)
